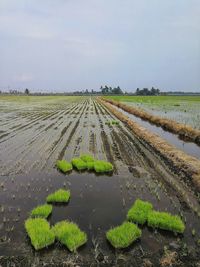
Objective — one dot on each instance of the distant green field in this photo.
(156, 99)
(38, 99)
(183, 109)
(9, 103)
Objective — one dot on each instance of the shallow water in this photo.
(188, 147)
(186, 112)
(98, 202)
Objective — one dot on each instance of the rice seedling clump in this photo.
(42, 211)
(103, 166)
(87, 158)
(124, 235)
(166, 221)
(70, 235)
(39, 231)
(90, 165)
(59, 196)
(64, 166)
(79, 164)
(114, 122)
(139, 211)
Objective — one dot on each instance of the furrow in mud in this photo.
(31, 145)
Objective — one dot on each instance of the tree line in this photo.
(146, 91)
(104, 90)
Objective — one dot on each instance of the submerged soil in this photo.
(98, 202)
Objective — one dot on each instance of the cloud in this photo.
(83, 44)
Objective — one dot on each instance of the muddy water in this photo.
(97, 202)
(188, 147)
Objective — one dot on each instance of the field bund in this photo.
(185, 132)
(186, 165)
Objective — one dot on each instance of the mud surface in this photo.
(31, 142)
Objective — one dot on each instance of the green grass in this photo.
(87, 158)
(102, 166)
(124, 235)
(139, 211)
(59, 196)
(165, 221)
(42, 211)
(39, 232)
(155, 99)
(64, 166)
(69, 234)
(79, 164)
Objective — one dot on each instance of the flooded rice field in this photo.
(183, 111)
(186, 146)
(36, 132)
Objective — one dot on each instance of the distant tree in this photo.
(110, 90)
(27, 92)
(146, 91)
(157, 91)
(153, 91)
(137, 91)
(105, 89)
(117, 91)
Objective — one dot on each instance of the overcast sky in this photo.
(65, 45)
